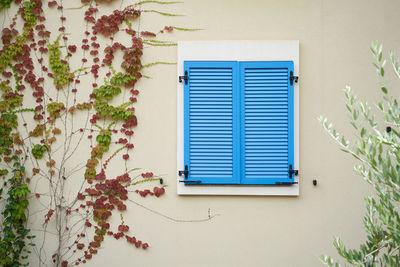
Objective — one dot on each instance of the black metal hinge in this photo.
(190, 182)
(184, 78)
(291, 171)
(293, 78)
(185, 172)
(286, 183)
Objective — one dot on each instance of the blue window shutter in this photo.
(266, 122)
(211, 122)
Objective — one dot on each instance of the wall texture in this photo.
(269, 231)
(261, 231)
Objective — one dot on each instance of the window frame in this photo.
(236, 51)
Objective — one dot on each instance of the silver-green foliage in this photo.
(377, 148)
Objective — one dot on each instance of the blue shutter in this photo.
(211, 122)
(266, 122)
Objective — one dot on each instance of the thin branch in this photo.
(209, 218)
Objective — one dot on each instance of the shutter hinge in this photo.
(185, 172)
(293, 78)
(291, 171)
(286, 183)
(185, 78)
(190, 182)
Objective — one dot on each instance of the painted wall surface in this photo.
(334, 37)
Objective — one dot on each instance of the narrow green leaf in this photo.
(162, 13)
(362, 133)
(348, 108)
(185, 29)
(344, 142)
(355, 114)
(157, 63)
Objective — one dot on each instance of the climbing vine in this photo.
(52, 108)
(5, 3)
(13, 241)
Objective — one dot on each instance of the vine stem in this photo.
(209, 218)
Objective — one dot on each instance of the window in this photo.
(238, 124)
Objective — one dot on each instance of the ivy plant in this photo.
(51, 109)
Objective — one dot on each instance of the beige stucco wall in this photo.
(261, 231)
(269, 231)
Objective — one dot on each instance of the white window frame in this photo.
(237, 50)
